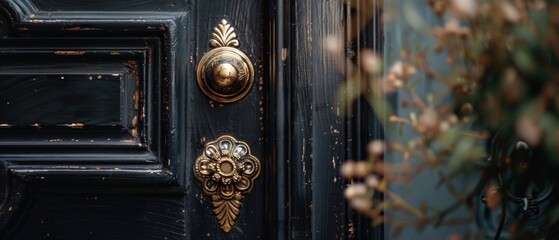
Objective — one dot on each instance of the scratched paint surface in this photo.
(209, 119)
(103, 216)
(70, 70)
(121, 187)
(96, 5)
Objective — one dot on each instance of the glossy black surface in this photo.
(119, 164)
(55, 99)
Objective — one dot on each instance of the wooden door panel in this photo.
(97, 96)
(105, 120)
(64, 99)
(120, 5)
(84, 97)
(243, 120)
(102, 216)
(111, 134)
(89, 110)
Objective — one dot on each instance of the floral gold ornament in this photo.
(225, 74)
(227, 171)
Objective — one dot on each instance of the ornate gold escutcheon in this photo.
(225, 74)
(226, 170)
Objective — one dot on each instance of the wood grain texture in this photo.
(242, 120)
(118, 185)
(50, 100)
(55, 120)
(321, 136)
(101, 216)
(120, 5)
(122, 186)
(318, 131)
(301, 118)
(363, 124)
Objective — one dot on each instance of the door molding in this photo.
(144, 158)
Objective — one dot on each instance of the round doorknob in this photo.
(225, 74)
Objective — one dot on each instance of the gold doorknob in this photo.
(227, 170)
(225, 74)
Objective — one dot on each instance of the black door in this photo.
(111, 129)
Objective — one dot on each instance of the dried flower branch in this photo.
(504, 58)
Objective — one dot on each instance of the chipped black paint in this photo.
(98, 176)
(93, 146)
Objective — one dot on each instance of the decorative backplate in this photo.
(225, 74)
(226, 170)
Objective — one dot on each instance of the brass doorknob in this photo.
(225, 74)
(226, 170)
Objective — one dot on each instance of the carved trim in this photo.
(224, 36)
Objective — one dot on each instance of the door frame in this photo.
(307, 187)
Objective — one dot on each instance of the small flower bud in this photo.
(510, 13)
(464, 8)
(372, 181)
(370, 61)
(348, 169)
(362, 169)
(333, 44)
(361, 205)
(376, 148)
(355, 190)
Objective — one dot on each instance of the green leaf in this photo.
(524, 34)
(447, 140)
(542, 23)
(414, 19)
(382, 109)
(466, 156)
(523, 60)
(346, 94)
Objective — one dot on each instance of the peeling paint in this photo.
(72, 53)
(80, 29)
(283, 54)
(72, 125)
